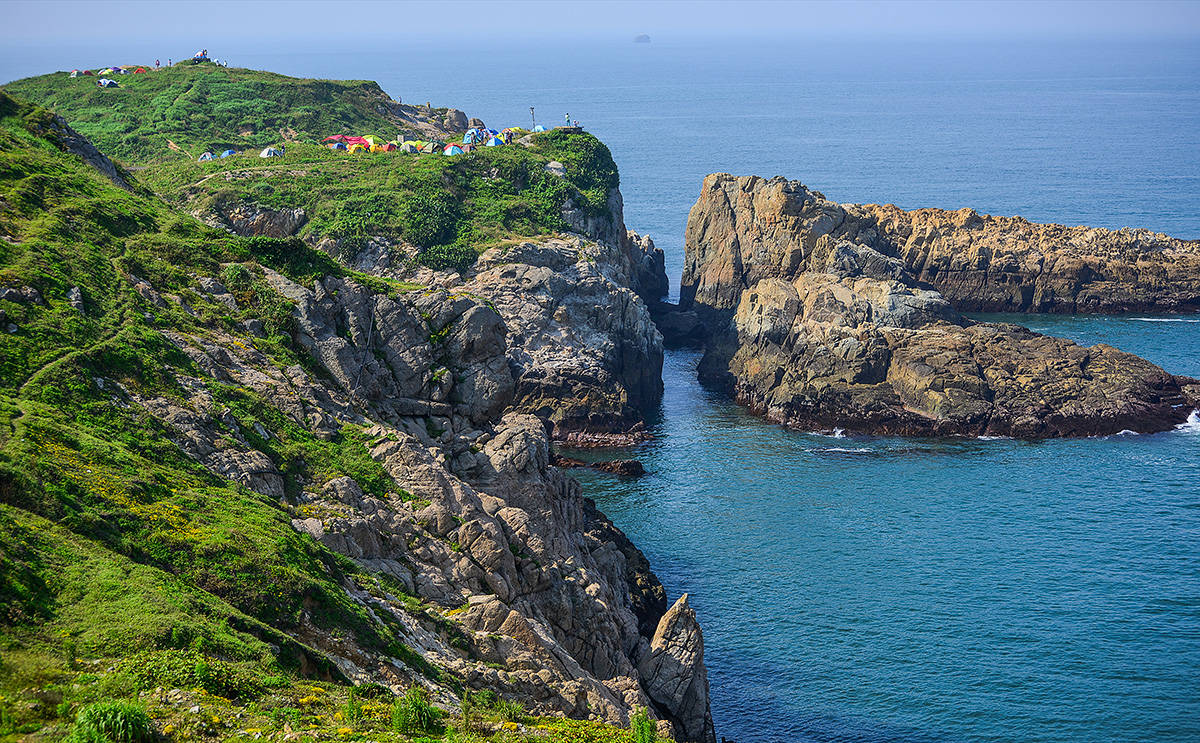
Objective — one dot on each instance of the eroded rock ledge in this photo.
(979, 263)
(817, 325)
(527, 588)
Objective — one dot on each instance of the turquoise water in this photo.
(857, 589)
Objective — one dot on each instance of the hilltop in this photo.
(178, 113)
(435, 211)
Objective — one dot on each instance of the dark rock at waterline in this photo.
(623, 467)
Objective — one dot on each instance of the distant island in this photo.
(641, 39)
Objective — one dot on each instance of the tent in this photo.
(270, 152)
(228, 153)
(140, 71)
(106, 83)
(490, 132)
(452, 149)
(408, 147)
(74, 73)
(377, 148)
(431, 147)
(494, 142)
(389, 147)
(359, 148)
(87, 72)
(337, 146)
(539, 128)
(206, 157)
(335, 138)
(121, 71)
(371, 139)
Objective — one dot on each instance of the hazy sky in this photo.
(50, 21)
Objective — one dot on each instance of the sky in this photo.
(349, 20)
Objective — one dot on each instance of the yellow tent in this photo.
(372, 139)
(358, 148)
(377, 148)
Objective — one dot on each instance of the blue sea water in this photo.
(881, 589)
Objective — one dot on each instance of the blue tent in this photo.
(227, 153)
(206, 157)
(452, 149)
(539, 128)
(337, 145)
(469, 138)
(494, 142)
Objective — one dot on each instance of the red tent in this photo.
(356, 140)
(389, 147)
(335, 138)
(140, 71)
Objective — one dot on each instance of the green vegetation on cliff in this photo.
(125, 565)
(450, 208)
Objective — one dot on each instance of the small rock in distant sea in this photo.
(641, 39)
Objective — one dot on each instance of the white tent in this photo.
(270, 152)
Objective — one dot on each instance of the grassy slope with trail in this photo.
(125, 566)
(451, 208)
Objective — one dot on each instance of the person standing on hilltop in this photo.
(156, 64)
(566, 119)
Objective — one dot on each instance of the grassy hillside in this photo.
(125, 566)
(451, 208)
(203, 107)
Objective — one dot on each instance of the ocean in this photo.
(880, 589)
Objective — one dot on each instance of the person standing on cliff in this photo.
(156, 64)
(566, 119)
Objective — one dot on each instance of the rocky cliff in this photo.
(227, 459)
(585, 354)
(816, 325)
(979, 263)
(549, 603)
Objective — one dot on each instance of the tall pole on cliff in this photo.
(532, 117)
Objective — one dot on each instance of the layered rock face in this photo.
(818, 328)
(978, 262)
(528, 589)
(585, 354)
(584, 351)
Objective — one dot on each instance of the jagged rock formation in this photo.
(817, 327)
(978, 262)
(542, 599)
(585, 353)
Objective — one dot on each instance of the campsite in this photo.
(211, 137)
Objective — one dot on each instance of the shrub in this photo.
(431, 218)
(112, 722)
(190, 669)
(412, 713)
(643, 728)
(510, 710)
(352, 710)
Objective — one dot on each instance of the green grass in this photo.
(205, 108)
(125, 565)
(452, 208)
(114, 543)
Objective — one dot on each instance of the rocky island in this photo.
(824, 316)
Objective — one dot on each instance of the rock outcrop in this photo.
(525, 588)
(816, 327)
(584, 352)
(978, 262)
